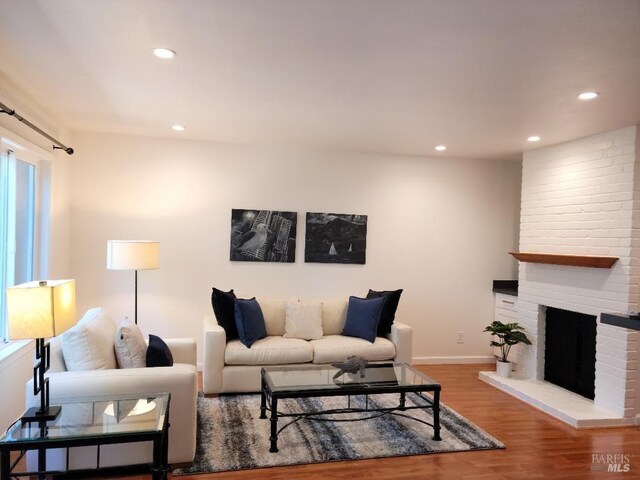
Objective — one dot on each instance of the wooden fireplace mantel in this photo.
(593, 261)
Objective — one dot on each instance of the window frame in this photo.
(30, 153)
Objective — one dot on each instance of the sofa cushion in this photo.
(274, 313)
(363, 316)
(336, 348)
(250, 321)
(303, 320)
(90, 344)
(131, 349)
(334, 315)
(223, 304)
(388, 314)
(158, 353)
(269, 351)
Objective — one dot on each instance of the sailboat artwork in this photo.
(336, 238)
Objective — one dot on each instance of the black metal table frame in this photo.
(159, 465)
(269, 402)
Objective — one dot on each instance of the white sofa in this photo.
(180, 380)
(230, 367)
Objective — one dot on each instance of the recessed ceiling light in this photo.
(164, 53)
(441, 148)
(178, 128)
(588, 95)
(533, 138)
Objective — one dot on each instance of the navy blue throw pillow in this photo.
(250, 321)
(363, 316)
(158, 353)
(223, 304)
(388, 310)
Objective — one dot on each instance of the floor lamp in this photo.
(133, 255)
(41, 310)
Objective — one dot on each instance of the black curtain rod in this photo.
(12, 113)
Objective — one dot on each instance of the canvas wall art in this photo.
(336, 238)
(263, 236)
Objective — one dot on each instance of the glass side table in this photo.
(93, 421)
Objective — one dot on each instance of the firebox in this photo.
(570, 351)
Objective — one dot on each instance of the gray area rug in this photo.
(231, 436)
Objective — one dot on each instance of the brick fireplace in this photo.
(582, 198)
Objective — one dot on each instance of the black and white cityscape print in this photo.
(336, 238)
(263, 236)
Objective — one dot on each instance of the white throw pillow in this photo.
(303, 320)
(131, 349)
(89, 345)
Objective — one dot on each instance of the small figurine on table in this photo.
(353, 364)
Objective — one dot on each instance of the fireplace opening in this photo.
(570, 351)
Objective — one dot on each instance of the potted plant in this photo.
(508, 335)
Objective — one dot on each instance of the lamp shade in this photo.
(133, 255)
(41, 309)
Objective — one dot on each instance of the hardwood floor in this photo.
(538, 447)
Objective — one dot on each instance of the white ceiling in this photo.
(389, 76)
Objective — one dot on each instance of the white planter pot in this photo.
(503, 369)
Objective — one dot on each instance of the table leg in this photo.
(436, 415)
(156, 468)
(160, 465)
(263, 400)
(402, 400)
(5, 463)
(274, 425)
(42, 464)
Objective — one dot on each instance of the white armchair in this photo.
(180, 380)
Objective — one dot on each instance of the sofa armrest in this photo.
(183, 350)
(180, 380)
(215, 342)
(402, 337)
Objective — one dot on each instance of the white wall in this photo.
(439, 228)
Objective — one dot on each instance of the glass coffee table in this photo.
(91, 421)
(303, 381)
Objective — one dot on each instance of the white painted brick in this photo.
(610, 393)
(583, 197)
(604, 350)
(617, 402)
(610, 399)
(622, 196)
(615, 368)
(617, 334)
(611, 381)
(622, 398)
(620, 153)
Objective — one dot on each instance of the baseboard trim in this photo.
(445, 360)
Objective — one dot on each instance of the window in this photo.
(18, 223)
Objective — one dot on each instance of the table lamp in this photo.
(41, 310)
(133, 255)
